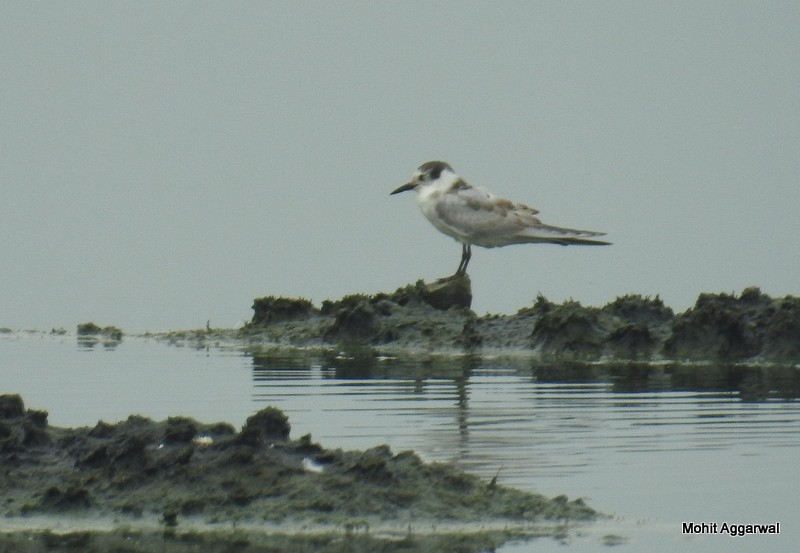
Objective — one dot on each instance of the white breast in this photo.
(428, 198)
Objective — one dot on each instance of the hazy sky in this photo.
(164, 163)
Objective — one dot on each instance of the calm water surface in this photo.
(652, 447)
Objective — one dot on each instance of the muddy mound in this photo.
(20, 429)
(350, 539)
(419, 313)
(723, 326)
(568, 328)
(180, 467)
(752, 326)
(90, 334)
(273, 309)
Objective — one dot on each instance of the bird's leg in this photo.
(466, 253)
(461, 262)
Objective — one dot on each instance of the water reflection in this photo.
(89, 342)
(339, 385)
(749, 382)
(358, 363)
(536, 421)
(665, 442)
(486, 414)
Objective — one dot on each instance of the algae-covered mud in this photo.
(178, 484)
(247, 540)
(750, 327)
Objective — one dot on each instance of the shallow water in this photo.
(653, 447)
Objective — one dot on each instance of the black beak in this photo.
(406, 186)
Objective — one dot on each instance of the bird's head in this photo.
(427, 174)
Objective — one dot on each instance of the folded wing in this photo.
(476, 216)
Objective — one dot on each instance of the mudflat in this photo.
(179, 484)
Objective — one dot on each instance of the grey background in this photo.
(162, 164)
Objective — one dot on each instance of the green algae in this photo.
(180, 468)
(346, 539)
(719, 327)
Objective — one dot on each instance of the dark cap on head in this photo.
(434, 168)
(427, 172)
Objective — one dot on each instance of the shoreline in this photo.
(751, 328)
(182, 481)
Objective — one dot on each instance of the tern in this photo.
(473, 215)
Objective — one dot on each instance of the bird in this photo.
(475, 216)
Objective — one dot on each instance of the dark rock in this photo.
(88, 329)
(633, 308)
(327, 457)
(369, 320)
(307, 447)
(10, 439)
(169, 518)
(123, 446)
(217, 430)
(721, 326)
(409, 295)
(178, 457)
(11, 406)
(34, 434)
(632, 340)
(72, 497)
(180, 430)
(372, 464)
(273, 309)
(568, 328)
(354, 318)
(242, 450)
(408, 458)
(268, 425)
(102, 430)
(541, 305)
(445, 293)
(38, 418)
(384, 307)
(91, 329)
(470, 335)
(782, 330)
(121, 454)
(436, 316)
(131, 469)
(638, 325)
(20, 429)
(239, 497)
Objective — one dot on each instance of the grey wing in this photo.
(482, 218)
(549, 234)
